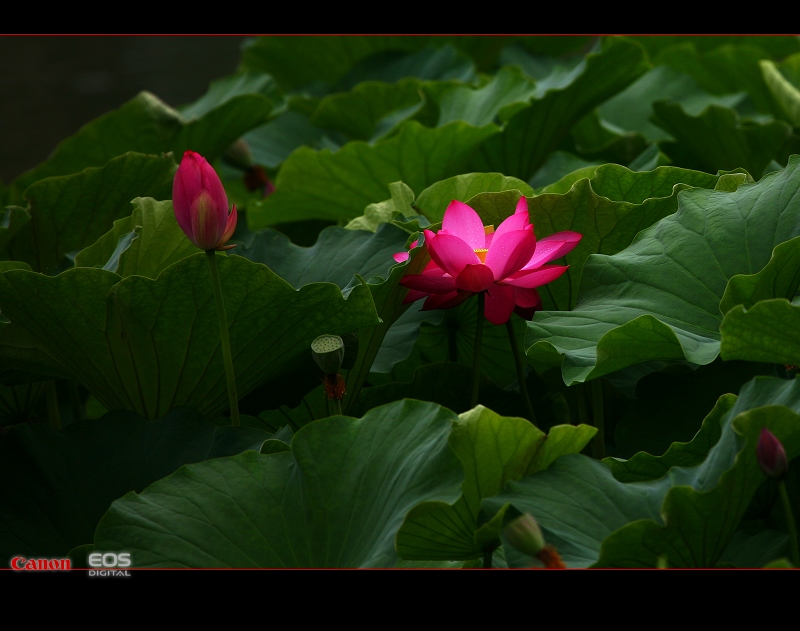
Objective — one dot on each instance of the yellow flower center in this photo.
(482, 254)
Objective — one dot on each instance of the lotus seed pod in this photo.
(328, 352)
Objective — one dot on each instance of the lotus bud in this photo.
(525, 535)
(328, 352)
(771, 455)
(200, 204)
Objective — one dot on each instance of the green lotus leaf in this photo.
(688, 515)
(295, 61)
(337, 500)
(65, 480)
(783, 90)
(632, 108)
(767, 332)
(725, 69)
(358, 113)
(147, 125)
(396, 208)
(774, 46)
(324, 185)
(659, 299)
(14, 219)
(433, 201)
(273, 143)
(532, 133)
(494, 450)
(223, 90)
(152, 345)
(22, 361)
(608, 210)
(18, 402)
(670, 405)
(159, 244)
(779, 278)
(717, 139)
(70, 212)
(509, 88)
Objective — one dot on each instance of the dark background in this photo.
(52, 86)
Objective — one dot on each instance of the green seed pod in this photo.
(328, 352)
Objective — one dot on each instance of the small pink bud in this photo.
(525, 535)
(200, 204)
(771, 455)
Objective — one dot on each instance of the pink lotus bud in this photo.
(525, 535)
(771, 455)
(200, 204)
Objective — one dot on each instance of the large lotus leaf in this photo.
(64, 480)
(151, 345)
(324, 185)
(703, 506)
(147, 125)
(295, 61)
(18, 402)
(433, 201)
(70, 212)
(659, 299)
(670, 405)
(272, 143)
(493, 450)
(223, 90)
(394, 209)
(337, 500)
(644, 466)
(717, 139)
(688, 515)
(337, 255)
(767, 332)
(358, 112)
(778, 279)
(632, 108)
(159, 244)
(774, 46)
(510, 87)
(534, 132)
(430, 64)
(14, 219)
(596, 139)
(609, 210)
(21, 361)
(726, 69)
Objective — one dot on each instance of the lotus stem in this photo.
(224, 337)
(523, 389)
(476, 354)
(599, 443)
(337, 407)
(487, 556)
(787, 507)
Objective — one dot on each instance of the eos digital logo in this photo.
(111, 561)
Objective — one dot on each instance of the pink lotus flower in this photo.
(200, 204)
(507, 263)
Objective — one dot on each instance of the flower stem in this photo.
(476, 354)
(523, 390)
(224, 337)
(487, 556)
(599, 443)
(337, 407)
(787, 507)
